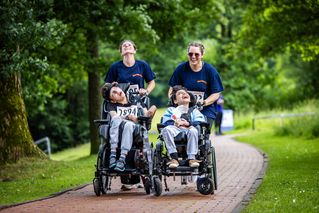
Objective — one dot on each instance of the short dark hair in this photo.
(106, 90)
(175, 89)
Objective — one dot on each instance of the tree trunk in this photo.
(15, 139)
(94, 93)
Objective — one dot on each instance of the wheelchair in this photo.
(139, 161)
(205, 175)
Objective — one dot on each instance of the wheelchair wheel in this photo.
(205, 186)
(96, 186)
(157, 187)
(147, 185)
(214, 169)
(102, 179)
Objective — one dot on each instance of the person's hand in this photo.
(143, 91)
(132, 118)
(182, 123)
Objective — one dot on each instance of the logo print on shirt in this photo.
(202, 81)
(137, 75)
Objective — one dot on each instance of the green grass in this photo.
(31, 179)
(291, 183)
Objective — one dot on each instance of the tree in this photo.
(22, 32)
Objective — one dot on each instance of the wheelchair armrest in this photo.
(160, 126)
(101, 122)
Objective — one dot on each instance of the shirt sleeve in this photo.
(216, 84)
(149, 75)
(176, 78)
(167, 117)
(111, 74)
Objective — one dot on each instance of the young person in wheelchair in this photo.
(181, 117)
(189, 153)
(123, 113)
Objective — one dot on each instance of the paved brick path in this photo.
(239, 167)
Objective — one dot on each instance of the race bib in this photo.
(199, 96)
(132, 88)
(125, 111)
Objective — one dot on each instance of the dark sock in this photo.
(174, 155)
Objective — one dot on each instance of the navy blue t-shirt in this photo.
(207, 80)
(136, 74)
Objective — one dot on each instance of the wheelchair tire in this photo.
(157, 187)
(205, 186)
(104, 183)
(96, 187)
(214, 169)
(147, 185)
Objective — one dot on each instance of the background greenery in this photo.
(266, 52)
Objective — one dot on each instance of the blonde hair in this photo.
(197, 44)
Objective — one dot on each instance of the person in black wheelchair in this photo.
(181, 118)
(184, 148)
(125, 122)
(121, 110)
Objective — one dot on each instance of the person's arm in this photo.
(149, 88)
(211, 99)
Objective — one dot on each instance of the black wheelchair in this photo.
(139, 161)
(206, 173)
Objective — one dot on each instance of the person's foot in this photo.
(172, 164)
(193, 163)
(126, 187)
(112, 162)
(120, 165)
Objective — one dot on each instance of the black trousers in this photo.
(218, 123)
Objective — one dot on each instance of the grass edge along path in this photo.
(291, 183)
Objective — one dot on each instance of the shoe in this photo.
(126, 187)
(193, 163)
(172, 164)
(112, 162)
(120, 165)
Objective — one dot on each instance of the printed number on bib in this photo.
(199, 96)
(125, 111)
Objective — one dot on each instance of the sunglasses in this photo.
(191, 54)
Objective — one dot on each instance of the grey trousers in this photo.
(127, 134)
(171, 131)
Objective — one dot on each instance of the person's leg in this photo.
(192, 146)
(114, 136)
(218, 123)
(168, 134)
(210, 121)
(126, 144)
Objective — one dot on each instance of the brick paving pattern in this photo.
(238, 166)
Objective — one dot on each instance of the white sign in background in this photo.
(228, 120)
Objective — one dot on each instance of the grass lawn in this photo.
(32, 178)
(291, 183)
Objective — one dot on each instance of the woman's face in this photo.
(127, 48)
(194, 55)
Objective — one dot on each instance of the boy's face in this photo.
(116, 94)
(182, 97)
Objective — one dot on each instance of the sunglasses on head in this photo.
(191, 54)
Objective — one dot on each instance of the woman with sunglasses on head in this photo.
(200, 78)
(130, 70)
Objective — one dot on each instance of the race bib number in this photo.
(133, 88)
(125, 111)
(199, 96)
